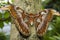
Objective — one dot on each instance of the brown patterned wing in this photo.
(21, 25)
(42, 27)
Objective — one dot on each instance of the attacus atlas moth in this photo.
(23, 19)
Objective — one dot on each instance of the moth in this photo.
(23, 20)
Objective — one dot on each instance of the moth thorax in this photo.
(31, 21)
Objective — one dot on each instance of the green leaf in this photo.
(6, 15)
(12, 0)
(2, 36)
(1, 24)
(8, 20)
(0, 16)
(52, 38)
(57, 37)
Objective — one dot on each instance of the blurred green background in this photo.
(53, 32)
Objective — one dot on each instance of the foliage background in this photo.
(53, 32)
